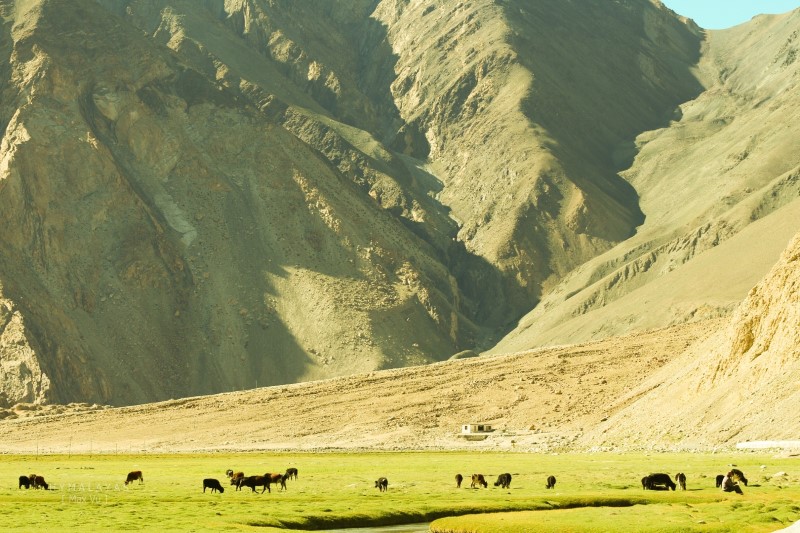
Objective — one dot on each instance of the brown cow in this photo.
(459, 479)
(236, 477)
(133, 476)
(551, 482)
(276, 479)
(291, 473)
(38, 481)
(478, 479)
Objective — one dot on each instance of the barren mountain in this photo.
(719, 187)
(206, 196)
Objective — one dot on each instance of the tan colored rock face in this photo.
(22, 378)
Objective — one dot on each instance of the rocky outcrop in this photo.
(22, 377)
(738, 385)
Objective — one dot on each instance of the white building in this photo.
(476, 429)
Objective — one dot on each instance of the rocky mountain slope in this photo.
(205, 196)
(719, 188)
(739, 384)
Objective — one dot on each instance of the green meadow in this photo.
(594, 492)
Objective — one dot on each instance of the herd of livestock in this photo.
(728, 482)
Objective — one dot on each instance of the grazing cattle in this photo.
(729, 483)
(276, 479)
(478, 479)
(659, 482)
(39, 482)
(645, 479)
(738, 475)
(213, 484)
(133, 476)
(236, 477)
(551, 482)
(24, 480)
(680, 477)
(291, 473)
(459, 479)
(503, 481)
(255, 481)
(719, 480)
(382, 484)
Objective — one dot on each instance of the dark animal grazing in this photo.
(236, 477)
(382, 484)
(38, 482)
(478, 479)
(680, 477)
(459, 479)
(551, 482)
(133, 476)
(645, 479)
(729, 483)
(503, 481)
(254, 481)
(719, 480)
(659, 482)
(24, 480)
(291, 473)
(739, 476)
(213, 484)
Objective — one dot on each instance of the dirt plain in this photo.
(542, 400)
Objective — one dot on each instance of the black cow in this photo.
(729, 484)
(254, 481)
(738, 475)
(719, 479)
(459, 479)
(551, 482)
(133, 476)
(213, 484)
(382, 484)
(659, 481)
(24, 481)
(680, 478)
(503, 481)
(291, 473)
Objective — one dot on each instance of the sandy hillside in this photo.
(541, 400)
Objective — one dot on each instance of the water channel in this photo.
(405, 528)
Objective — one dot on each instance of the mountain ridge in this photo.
(229, 194)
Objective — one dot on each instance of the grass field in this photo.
(594, 492)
